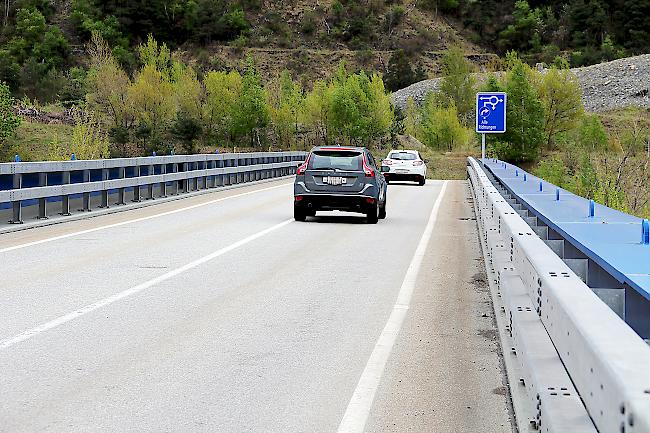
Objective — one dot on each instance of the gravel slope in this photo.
(606, 86)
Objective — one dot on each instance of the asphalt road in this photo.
(230, 317)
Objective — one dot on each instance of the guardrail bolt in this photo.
(154, 153)
(525, 177)
(541, 186)
(73, 157)
(517, 173)
(592, 208)
(645, 232)
(17, 158)
(557, 194)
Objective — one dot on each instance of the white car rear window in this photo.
(403, 156)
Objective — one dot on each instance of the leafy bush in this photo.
(440, 127)
(525, 115)
(89, 141)
(9, 121)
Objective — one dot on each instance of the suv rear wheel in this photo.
(373, 215)
(382, 210)
(299, 214)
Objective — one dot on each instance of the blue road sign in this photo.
(491, 113)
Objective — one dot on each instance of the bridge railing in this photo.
(607, 362)
(24, 184)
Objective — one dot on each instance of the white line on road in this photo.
(4, 344)
(358, 410)
(136, 220)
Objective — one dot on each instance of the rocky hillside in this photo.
(606, 86)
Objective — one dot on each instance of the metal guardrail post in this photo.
(105, 176)
(176, 183)
(163, 184)
(205, 178)
(16, 205)
(121, 191)
(196, 178)
(65, 199)
(86, 195)
(186, 181)
(152, 171)
(136, 188)
(42, 202)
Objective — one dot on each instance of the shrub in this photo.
(9, 121)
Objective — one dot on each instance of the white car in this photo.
(405, 165)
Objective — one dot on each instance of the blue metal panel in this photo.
(611, 238)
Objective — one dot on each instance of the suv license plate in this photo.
(334, 180)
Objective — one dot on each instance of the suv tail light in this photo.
(303, 167)
(418, 162)
(369, 172)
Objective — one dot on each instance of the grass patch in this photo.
(32, 140)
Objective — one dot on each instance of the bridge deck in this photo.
(217, 313)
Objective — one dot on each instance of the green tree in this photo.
(440, 127)
(9, 121)
(458, 86)
(151, 99)
(524, 33)
(251, 114)
(89, 141)
(318, 110)
(561, 95)
(107, 85)
(525, 117)
(637, 25)
(411, 118)
(361, 110)
(223, 90)
(400, 72)
(285, 100)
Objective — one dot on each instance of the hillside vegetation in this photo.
(114, 78)
(42, 42)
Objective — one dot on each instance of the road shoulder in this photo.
(445, 373)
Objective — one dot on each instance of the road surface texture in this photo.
(219, 313)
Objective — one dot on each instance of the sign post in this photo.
(490, 115)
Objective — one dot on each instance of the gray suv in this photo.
(340, 178)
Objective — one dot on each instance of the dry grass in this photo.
(32, 139)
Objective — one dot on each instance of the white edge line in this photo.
(82, 232)
(356, 415)
(6, 343)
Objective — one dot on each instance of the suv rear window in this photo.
(403, 156)
(348, 160)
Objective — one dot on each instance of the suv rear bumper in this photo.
(342, 202)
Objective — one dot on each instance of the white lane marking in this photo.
(136, 220)
(356, 415)
(6, 343)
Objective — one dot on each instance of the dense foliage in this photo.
(591, 30)
(9, 121)
(41, 42)
(164, 103)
